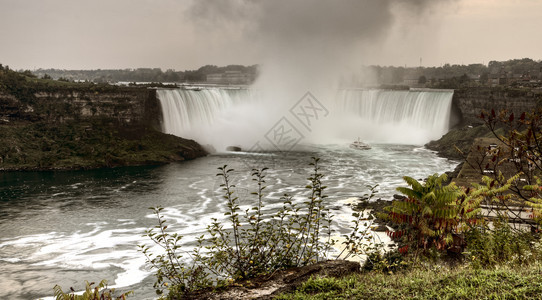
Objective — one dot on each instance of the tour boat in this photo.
(359, 145)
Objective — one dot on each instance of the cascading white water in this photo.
(382, 116)
(406, 116)
(194, 113)
(184, 109)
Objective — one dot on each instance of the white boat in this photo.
(359, 145)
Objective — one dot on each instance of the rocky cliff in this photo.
(85, 127)
(124, 105)
(469, 102)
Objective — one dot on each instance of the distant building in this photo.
(230, 77)
(215, 78)
(412, 81)
(501, 78)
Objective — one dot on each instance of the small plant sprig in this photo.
(171, 270)
(361, 240)
(99, 291)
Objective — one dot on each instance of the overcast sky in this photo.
(186, 34)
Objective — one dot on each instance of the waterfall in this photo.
(405, 116)
(187, 111)
(222, 117)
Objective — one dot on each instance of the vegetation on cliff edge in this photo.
(462, 138)
(88, 144)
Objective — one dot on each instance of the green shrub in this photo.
(501, 245)
(518, 154)
(361, 240)
(252, 245)
(171, 271)
(386, 262)
(432, 215)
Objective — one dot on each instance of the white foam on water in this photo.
(197, 200)
(97, 249)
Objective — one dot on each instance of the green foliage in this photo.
(422, 79)
(385, 262)
(16, 84)
(506, 282)
(24, 85)
(256, 245)
(144, 74)
(91, 293)
(321, 284)
(169, 266)
(501, 245)
(88, 144)
(432, 215)
(248, 243)
(361, 240)
(535, 201)
(517, 160)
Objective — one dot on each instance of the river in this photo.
(67, 227)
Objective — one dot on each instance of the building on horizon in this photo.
(231, 77)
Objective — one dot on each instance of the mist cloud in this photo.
(306, 40)
(305, 45)
(293, 21)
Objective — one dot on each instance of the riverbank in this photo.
(432, 282)
(88, 144)
(458, 138)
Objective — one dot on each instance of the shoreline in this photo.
(89, 145)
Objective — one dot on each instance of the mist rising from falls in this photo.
(241, 117)
(306, 45)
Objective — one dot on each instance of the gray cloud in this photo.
(307, 41)
(292, 19)
(185, 34)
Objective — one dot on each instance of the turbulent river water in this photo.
(67, 227)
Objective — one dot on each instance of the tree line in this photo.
(445, 76)
(143, 74)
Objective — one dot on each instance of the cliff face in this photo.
(470, 102)
(124, 105)
(86, 128)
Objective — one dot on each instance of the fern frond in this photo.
(416, 186)
(59, 294)
(409, 192)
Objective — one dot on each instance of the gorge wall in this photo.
(469, 102)
(86, 128)
(104, 126)
(120, 104)
(130, 105)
